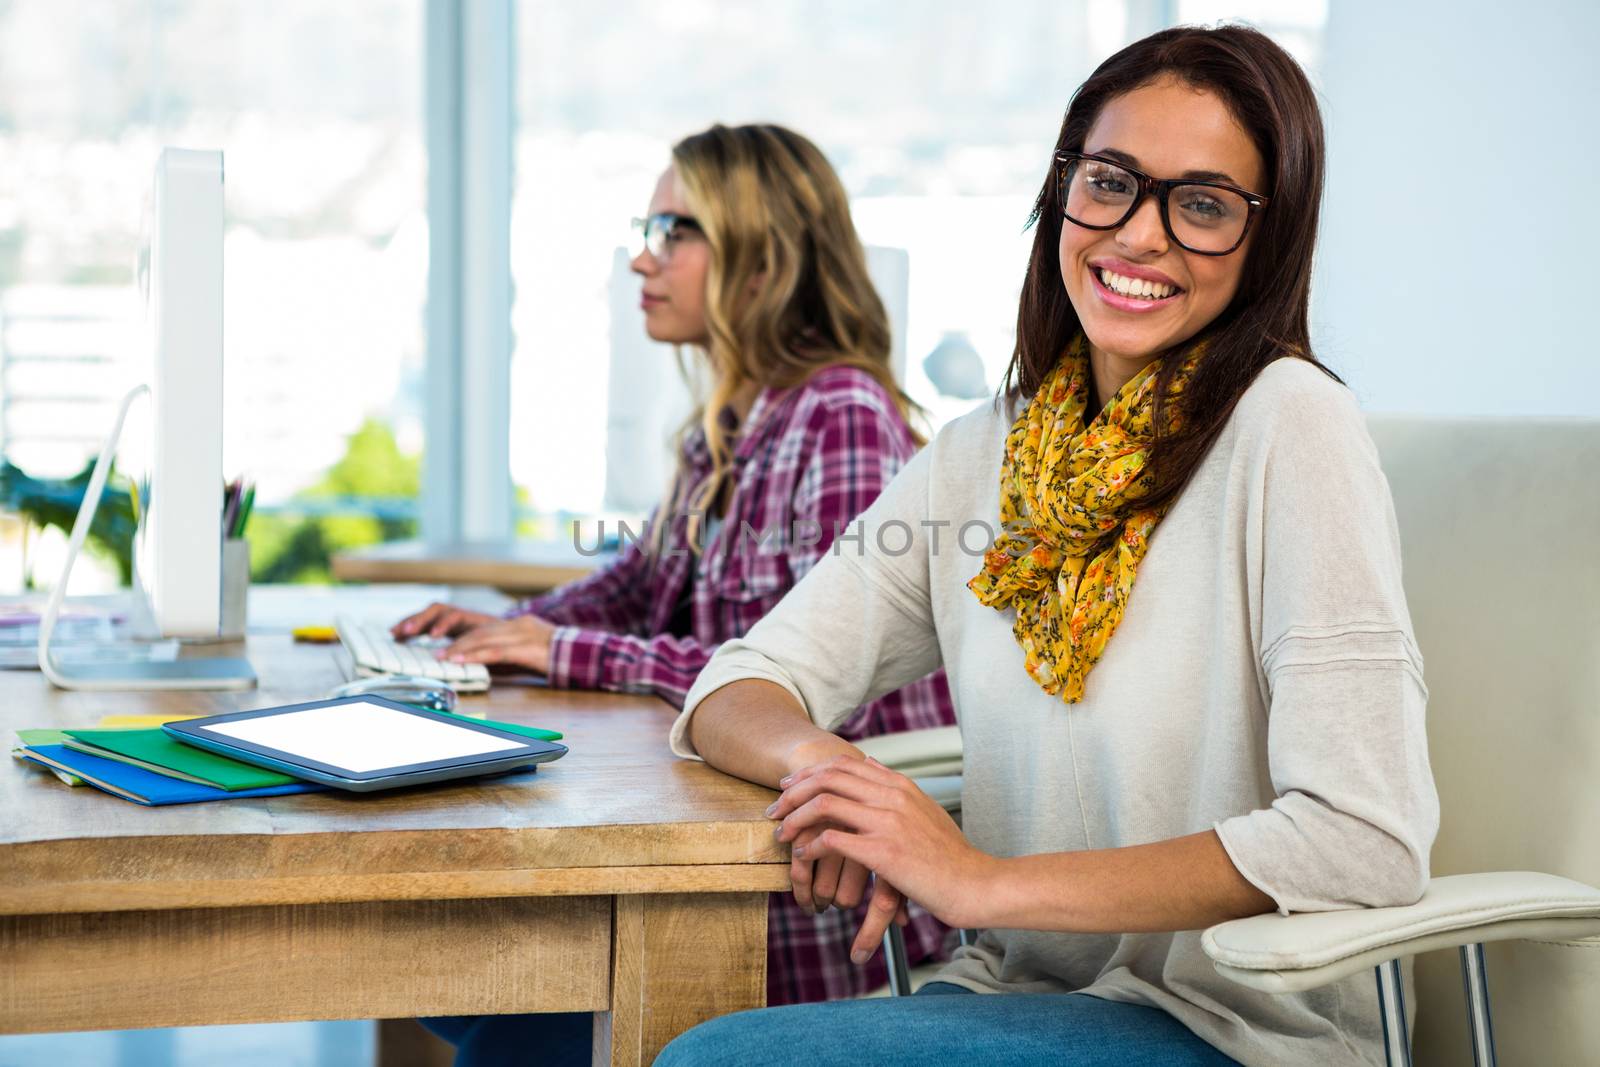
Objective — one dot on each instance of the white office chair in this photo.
(1498, 521)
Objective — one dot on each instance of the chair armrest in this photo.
(917, 753)
(1290, 953)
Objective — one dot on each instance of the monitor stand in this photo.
(211, 673)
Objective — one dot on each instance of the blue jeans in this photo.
(935, 1030)
(1059, 1029)
(550, 1039)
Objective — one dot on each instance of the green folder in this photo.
(41, 737)
(155, 750)
(510, 727)
(26, 739)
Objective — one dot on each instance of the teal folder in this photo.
(155, 751)
(510, 727)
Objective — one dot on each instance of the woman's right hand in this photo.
(845, 884)
(440, 620)
(831, 882)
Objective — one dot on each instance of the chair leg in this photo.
(894, 953)
(1392, 1010)
(1476, 981)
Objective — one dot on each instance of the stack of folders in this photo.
(146, 766)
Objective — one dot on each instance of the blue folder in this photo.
(146, 787)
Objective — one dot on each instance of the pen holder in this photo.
(235, 587)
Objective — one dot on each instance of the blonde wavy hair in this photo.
(787, 291)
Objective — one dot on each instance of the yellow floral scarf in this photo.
(1072, 532)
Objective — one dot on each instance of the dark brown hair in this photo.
(1271, 99)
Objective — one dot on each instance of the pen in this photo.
(230, 506)
(244, 511)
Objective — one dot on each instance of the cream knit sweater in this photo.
(1263, 682)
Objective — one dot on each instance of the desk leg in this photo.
(676, 961)
(404, 1043)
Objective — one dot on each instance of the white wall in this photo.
(1461, 230)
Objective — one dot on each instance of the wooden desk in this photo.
(520, 568)
(617, 880)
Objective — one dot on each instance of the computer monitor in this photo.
(168, 437)
(178, 556)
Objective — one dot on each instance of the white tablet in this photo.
(363, 743)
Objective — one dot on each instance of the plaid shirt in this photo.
(809, 461)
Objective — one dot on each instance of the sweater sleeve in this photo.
(1355, 811)
(833, 662)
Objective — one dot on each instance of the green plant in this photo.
(290, 547)
(55, 502)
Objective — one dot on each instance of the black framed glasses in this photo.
(658, 233)
(1206, 218)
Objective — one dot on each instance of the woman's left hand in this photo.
(523, 641)
(862, 811)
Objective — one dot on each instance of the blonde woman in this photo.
(750, 259)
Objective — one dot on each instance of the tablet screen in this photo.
(363, 736)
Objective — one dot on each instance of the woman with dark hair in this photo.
(1183, 669)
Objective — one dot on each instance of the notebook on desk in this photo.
(128, 755)
(155, 751)
(139, 785)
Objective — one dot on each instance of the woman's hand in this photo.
(831, 881)
(440, 620)
(523, 641)
(867, 816)
(844, 884)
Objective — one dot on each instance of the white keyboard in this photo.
(376, 653)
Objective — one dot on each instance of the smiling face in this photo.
(673, 295)
(1167, 129)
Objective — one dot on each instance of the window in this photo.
(944, 164)
(940, 118)
(1294, 24)
(317, 111)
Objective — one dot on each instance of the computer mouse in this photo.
(427, 693)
